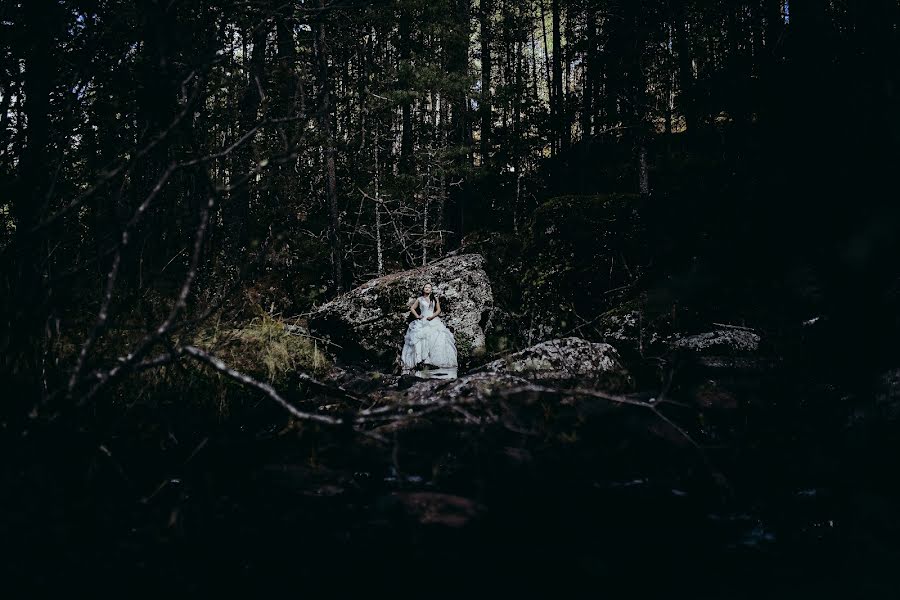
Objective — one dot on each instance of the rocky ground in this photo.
(629, 456)
(702, 453)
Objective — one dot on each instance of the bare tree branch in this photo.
(268, 390)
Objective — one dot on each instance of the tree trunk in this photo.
(287, 61)
(669, 91)
(534, 66)
(589, 67)
(425, 228)
(774, 26)
(378, 249)
(550, 88)
(458, 62)
(334, 226)
(685, 71)
(556, 98)
(638, 115)
(242, 157)
(486, 117)
(644, 183)
(565, 124)
(406, 140)
(25, 302)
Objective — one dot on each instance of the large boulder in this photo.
(720, 341)
(713, 369)
(569, 358)
(725, 347)
(370, 321)
(633, 330)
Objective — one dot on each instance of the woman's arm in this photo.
(413, 307)
(437, 309)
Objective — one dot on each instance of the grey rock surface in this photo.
(371, 320)
(563, 358)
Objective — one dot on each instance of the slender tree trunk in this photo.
(638, 115)
(24, 310)
(556, 98)
(7, 89)
(485, 12)
(406, 140)
(334, 229)
(565, 124)
(441, 112)
(287, 60)
(425, 227)
(589, 67)
(458, 63)
(517, 97)
(534, 67)
(28, 205)
(738, 65)
(242, 157)
(774, 26)
(517, 131)
(378, 249)
(685, 69)
(550, 88)
(669, 86)
(644, 183)
(771, 83)
(287, 100)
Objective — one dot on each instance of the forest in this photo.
(664, 236)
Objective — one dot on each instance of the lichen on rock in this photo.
(726, 347)
(721, 340)
(565, 359)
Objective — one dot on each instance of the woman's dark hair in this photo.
(431, 295)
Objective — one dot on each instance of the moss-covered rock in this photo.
(722, 340)
(569, 358)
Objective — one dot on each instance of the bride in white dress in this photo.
(427, 339)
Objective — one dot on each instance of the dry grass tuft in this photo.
(264, 347)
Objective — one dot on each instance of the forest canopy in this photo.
(160, 160)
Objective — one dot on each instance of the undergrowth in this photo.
(263, 347)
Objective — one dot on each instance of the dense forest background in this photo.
(175, 170)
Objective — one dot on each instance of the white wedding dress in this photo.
(428, 342)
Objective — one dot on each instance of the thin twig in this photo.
(268, 390)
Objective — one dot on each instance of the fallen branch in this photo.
(727, 326)
(295, 330)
